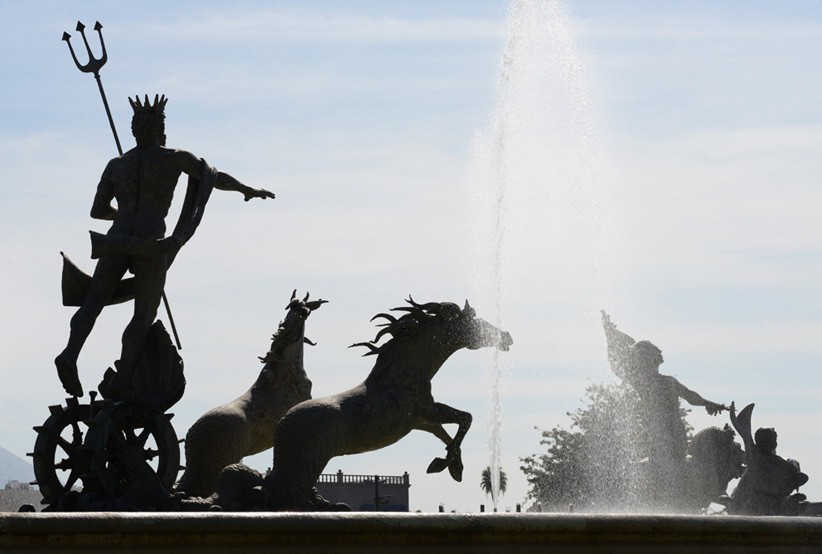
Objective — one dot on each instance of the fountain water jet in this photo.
(537, 209)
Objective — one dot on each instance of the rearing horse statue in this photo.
(245, 426)
(393, 400)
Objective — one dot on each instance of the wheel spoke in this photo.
(67, 447)
(64, 464)
(143, 437)
(150, 454)
(72, 478)
(77, 437)
(61, 439)
(131, 438)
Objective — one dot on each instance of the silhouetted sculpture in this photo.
(638, 364)
(766, 486)
(714, 459)
(245, 426)
(124, 439)
(393, 400)
(142, 181)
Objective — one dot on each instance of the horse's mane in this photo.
(277, 345)
(279, 340)
(415, 319)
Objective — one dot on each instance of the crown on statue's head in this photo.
(156, 108)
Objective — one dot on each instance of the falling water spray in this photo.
(534, 196)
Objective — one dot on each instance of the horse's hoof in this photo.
(455, 469)
(437, 465)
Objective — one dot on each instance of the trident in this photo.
(93, 66)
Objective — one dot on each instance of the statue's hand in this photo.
(257, 193)
(713, 408)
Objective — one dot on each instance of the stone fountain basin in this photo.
(380, 532)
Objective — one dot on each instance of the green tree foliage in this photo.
(592, 466)
(488, 487)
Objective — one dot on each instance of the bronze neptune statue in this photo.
(142, 182)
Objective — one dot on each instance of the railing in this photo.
(341, 477)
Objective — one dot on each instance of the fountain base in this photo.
(375, 532)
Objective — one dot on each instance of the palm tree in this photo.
(488, 487)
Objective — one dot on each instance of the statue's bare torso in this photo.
(142, 181)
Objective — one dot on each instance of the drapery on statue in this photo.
(393, 400)
(638, 364)
(142, 181)
(766, 486)
(245, 426)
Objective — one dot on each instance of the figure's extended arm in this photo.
(694, 399)
(101, 207)
(225, 181)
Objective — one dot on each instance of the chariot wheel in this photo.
(148, 436)
(60, 458)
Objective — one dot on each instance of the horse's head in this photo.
(446, 323)
(462, 326)
(716, 448)
(292, 328)
(476, 332)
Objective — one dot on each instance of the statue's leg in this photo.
(443, 413)
(304, 442)
(107, 275)
(435, 429)
(149, 281)
(432, 420)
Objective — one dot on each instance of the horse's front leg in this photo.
(432, 421)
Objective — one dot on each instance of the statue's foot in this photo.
(67, 372)
(437, 465)
(452, 462)
(455, 468)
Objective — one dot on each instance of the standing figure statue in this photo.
(638, 364)
(142, 181)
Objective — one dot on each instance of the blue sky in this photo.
(669, 175)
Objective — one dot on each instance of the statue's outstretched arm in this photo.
(225, 181)
(190, 164)
(695, 399)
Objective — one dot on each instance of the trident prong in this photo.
(94, 64)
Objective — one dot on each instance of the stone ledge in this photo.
(370, 532)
